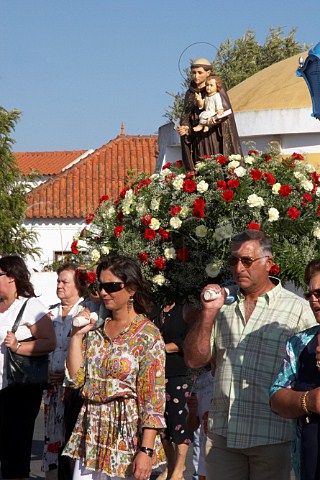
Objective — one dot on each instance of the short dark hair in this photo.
(312, 269)
(129, 271)
(254, 235)
(15, 267)
(79, 281)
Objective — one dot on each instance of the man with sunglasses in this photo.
(246, 339)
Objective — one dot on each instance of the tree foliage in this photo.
(240, 59)
(14, 236)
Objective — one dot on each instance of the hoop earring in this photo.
(130, 303)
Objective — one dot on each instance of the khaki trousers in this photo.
(266, 462)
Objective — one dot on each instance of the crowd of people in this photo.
(119, 401)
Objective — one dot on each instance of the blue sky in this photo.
(77, 69)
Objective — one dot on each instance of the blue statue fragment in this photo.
(310, 71)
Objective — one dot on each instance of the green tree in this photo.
(15, 238)
(240, 59)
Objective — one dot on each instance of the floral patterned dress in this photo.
(123, 385)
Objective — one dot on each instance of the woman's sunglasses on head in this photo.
(110, 287)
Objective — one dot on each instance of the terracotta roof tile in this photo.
(76, 192)
(46, 163)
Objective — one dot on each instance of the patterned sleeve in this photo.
(287, 375)
(151, 380)
(79, 378)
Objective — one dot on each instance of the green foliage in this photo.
(14, 237)
(240, 59)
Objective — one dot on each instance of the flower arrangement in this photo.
(178, 224)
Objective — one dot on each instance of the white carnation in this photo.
(273, 214)
(255, 201)
(201, 231)
(234, 157)
(165, 172)
(184, 212)
(240, 171)
(175, 222)
(223, 232)
(318, 192)
(316, 232)
(110, 212)
(212, 270)
(177, 183)
(299, 176)
(159, 279)
(233, 164)
(154, 224)
(95, 255)
(249, 160)
(105, 250)
(170, 253)
(202, 186)
(141, 208)
(275, 188)
(307, 185)
(200, 165)
(154, 204)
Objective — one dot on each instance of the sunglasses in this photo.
(110, 287)
(246, 261)
(316, 293)
(3, 273)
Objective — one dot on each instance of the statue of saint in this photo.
(222, 135)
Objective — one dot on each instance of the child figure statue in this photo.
(212, 104)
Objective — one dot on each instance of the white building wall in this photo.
(53, 236)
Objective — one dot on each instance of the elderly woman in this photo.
(120, 367)
(19, 406)
(61, 405)
(296, 390)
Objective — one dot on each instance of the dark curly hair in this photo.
(15, 268)
(128, 270)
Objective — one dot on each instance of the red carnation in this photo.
(166, 165)
(149, 234)
(118, 231)
(169, 178)
(163, 233)
(74, 248)
(307, 197)
(178, 163)
(297, 156)
(221, 159)
(274, 270)
(221, 184)
(189, 186)
(175, 210)
(120, 216)
(183, 254)
(253, 226)
(123, 192)
(267, 157)
(256, 175)
(89, 218)
(104, 198)
(191, 174)
(270, 178)
(198, 208)
(233, 183)
(285, 190)
(293, 213)
(146, 220)
(143, 257)
(91, 277)
(160, 262)
(83, 232)
(227, 196)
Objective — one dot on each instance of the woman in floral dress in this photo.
(120, 368)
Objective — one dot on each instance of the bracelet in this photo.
(18, 346)
(304, 406)
(148, 451)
